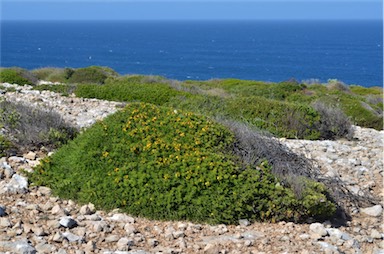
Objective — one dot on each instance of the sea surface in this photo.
(350, 51)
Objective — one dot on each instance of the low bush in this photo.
(129, 90)
(333, 123)
(290, 120)
(334, 84)
(168, 164)
(89, 75)
(17, 76)
(33, 127)
(51, 74)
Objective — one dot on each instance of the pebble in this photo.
(374, 211)
(2, 211)
(318, 229)
(67, 222)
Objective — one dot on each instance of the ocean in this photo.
(350, 51)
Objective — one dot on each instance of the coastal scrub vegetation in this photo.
(288, 109)
(162, 163)
(191, 150)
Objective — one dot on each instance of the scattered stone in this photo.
(45, 248)
(328, 247)
(375, 234)
(112, 238)
(5, 223)
(334, 232)
(58, 237)
(2, 211)
(72, 237)
(122, 218)
(130, 229)
(244, 223)
(318, 229)
(211, 249)
(87, 209)
(374, 211)
(38, 231)
(124, 244)
(45, 190)
(30, 156)
(153, 242)
(68, 222)
(17, 185)
(20, 246)
(178, 234)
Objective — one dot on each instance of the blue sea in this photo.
(350, 51)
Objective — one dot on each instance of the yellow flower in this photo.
(105, 154)
(116, 170)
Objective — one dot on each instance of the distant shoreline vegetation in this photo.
(290, 109)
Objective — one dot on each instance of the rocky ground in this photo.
(32, 220)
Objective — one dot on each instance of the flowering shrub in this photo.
(163, 163)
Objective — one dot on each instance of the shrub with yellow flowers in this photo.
(167, 164)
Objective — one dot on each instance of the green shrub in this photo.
(129, 90)
(167, 164)
(51, 74)
(92, 75)
(279, 118)
(283, 119)
(360, 90)
(5, 145)
(17, 76)
(356, 109)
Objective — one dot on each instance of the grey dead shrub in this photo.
(254, 146)
(334, 84)
(29, 126)
(333, 122)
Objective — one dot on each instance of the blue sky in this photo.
(189, 9)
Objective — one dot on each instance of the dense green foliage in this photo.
(92, 74)
(130, 89)
(16, 76)
(163, 163)
(284, 109)
(364, 106)
(51, 74)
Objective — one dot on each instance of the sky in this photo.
(190, 9)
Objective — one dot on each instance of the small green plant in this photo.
(5, 144)
(168, 164)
